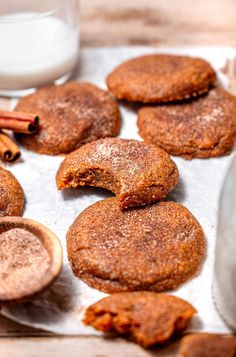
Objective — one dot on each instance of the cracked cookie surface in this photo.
(161, 78)
(70, 115)
(204, 127)
(154, 248)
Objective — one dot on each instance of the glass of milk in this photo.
(39, 43)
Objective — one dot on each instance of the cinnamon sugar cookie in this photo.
(154, 248)
(136, 172)
(204, 127)
(70, 115)
(11, 195)
(208, 345)
(148, 318)
(161, 78)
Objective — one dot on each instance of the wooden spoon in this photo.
(30, 258)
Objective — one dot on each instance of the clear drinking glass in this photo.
(224, 288)
(39, 43)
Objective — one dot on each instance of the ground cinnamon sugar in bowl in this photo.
(30, 258)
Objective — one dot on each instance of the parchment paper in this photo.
(61, 308)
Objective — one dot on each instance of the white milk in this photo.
(35, 51)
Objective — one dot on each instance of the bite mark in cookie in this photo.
(136, 172)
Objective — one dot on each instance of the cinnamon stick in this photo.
(25, 123)
(9, 151)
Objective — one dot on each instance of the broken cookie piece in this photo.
(146, 317)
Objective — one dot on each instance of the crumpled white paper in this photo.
(60, 308)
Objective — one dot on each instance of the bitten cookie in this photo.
(11, 195)
(203, 128)
(208, 345)
(161, 78)
(154, 248)
(148, 318)
(70, 115)
(136, 172)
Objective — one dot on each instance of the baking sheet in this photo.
(60, 309)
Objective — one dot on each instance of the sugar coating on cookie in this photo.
(11, 195)
(136, 172)
(146, 317)
(70, 115)
(208, 345)
(154, 248)
(161, 78)
(204, 127)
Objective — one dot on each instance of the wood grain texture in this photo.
(113, 22)
(77, 347)
(160, 22)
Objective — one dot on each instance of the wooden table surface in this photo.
(113, 22)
